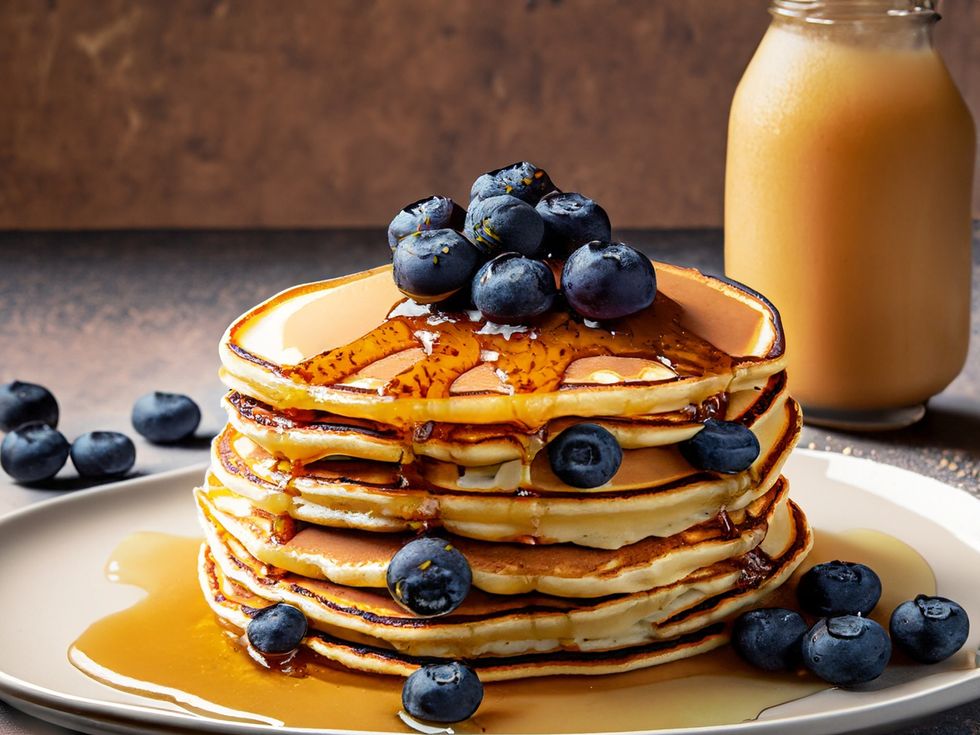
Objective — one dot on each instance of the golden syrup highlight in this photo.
(533, 359)
(169, 646)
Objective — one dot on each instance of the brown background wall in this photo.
(251, 113)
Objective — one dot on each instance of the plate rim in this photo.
(83, 710)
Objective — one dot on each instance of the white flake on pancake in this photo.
(489, 356)
(507, 387)
(408, 307)
(506, 330)
(427, 339)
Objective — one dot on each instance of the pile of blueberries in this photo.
(34, 451)
(844, 646)
(498, 256)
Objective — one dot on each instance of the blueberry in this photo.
(277, 629)
(431, 213)
(769, 638)
(512, 289)
(103, 454)
(432, 265)
(164, 418)
(523, 180)
(585, 455)
(721, 446)
(839, 588)
(429, 577)
(929, 629)
(442, 693)
(33, 452)
(24, 403)
(570, 221)
(604, 280)
(505, 224)
(846, 650)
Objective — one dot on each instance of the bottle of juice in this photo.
(847, 203)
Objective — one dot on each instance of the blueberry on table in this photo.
(432, 265)
(277, 629)
(522, 180)
(33, 452)
(449, 692)
(929, 629)
(103, 454)
(570, 221)
(721, 446)
(769, 638)
(24, 403)
(429, 576)
(512, 289)
(505, 224)
(164, 418)
(431, 213)
(839, 588)
(846, 650)
(585, 456)
(606, 280)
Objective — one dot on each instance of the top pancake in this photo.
(355, 347)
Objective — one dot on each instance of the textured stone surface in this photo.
(102, 318)
(213, 113)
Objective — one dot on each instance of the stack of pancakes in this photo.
(359, 420)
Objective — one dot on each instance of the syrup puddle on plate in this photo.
(169, 646)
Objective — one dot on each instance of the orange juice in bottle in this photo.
(847, 203)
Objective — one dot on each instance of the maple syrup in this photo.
(169, 646)
(534, 359)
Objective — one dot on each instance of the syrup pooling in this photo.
(530, 359)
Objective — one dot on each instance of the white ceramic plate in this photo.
(53, 586)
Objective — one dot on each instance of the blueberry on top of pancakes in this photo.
(432, 213)
(570, 221)
(608, 280)
(512, 289)
(523, 180)
(504, 224)
(432, 265)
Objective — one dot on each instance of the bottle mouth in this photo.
(838, 11)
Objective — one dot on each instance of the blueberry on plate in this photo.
(929, 629)
(570, 221)
(102, 454)
(606, 280)
(429, 576)
(846, 650)
(769, 638)
(721, 446)
(277, 629)
(585, 455)
(432, 265)
(450, 692)
(512, 289)
(24, 403)
(505, 224)
(431, 213)
(839, 588)
(33, 452)
(164, 418)
(523, 180)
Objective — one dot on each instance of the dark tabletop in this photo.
(102, 318)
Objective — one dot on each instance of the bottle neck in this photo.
(904, 23)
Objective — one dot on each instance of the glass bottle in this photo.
(847, 203)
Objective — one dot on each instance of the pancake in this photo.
(374, 497)
(401, 364)
(306, 436)
(360, 559)
(507, 625)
